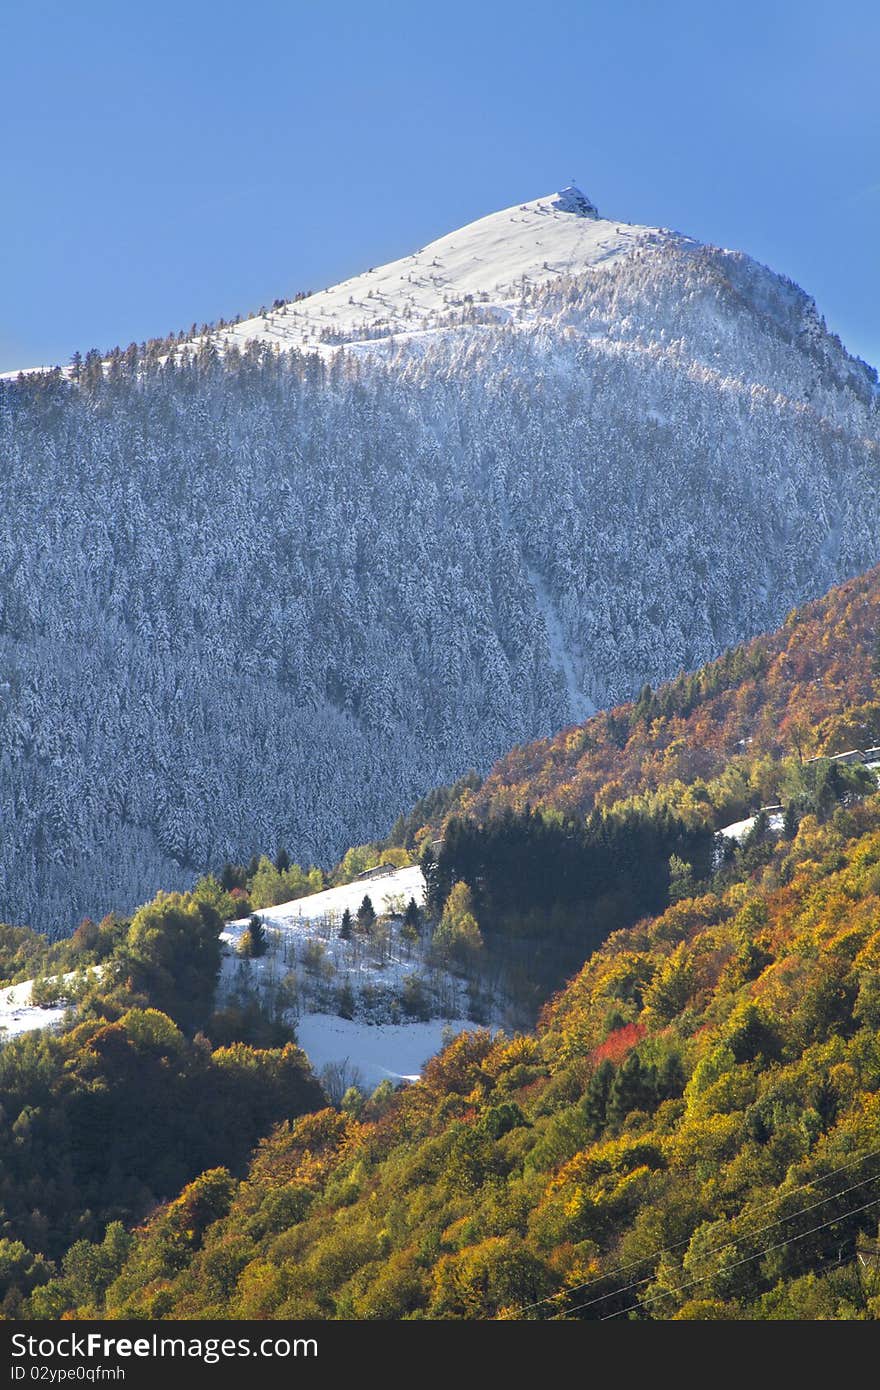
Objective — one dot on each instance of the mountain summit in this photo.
(571, 199)
(492, 261)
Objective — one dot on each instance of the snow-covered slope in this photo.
(371, 979)
(739, 829)
(368, 1053)
(294, 928)
(491, 261)
(371, 969)
(385, 891)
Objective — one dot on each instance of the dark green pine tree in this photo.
(412, 920)
(232, 876)
(255, 937)
(345, 926)
(397, 835)
(282, 860)
(595, 1102)
(634, 1087)
(366, 916)
(790, 821)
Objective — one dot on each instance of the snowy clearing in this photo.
(18, 1015)
(384, 983)
(304, 935)
(385, 893)
(739, 829)
(379, 1051)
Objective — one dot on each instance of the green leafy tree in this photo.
(458, 935)
(89, 1268)
(356, 860)
(20, 1270)
(210, 890)
(353, 1102)
(682, 883)
(173, 956)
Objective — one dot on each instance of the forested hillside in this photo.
(714, 743)
(693, 1131)
(113, 1114)
(251, 598)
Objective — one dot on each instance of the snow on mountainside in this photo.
(270, 588)
(20, 1013)
(376, 971)
(368, 1053)
(386, 891)
(398, 1005)
(376, 1039)
(491, 261)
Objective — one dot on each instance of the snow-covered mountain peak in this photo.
(588, 455)
(491, 262)
(482, 269)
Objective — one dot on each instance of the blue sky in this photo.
(173, 162)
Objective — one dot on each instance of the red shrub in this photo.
(618, 1044)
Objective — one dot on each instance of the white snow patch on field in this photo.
(19, 1015)
(376, 1050)
(293, 926)
(371, 1048)
(375, 1043)
(740, 828)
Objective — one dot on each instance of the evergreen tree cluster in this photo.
(521, 866)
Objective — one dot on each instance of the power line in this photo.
(735, 1240)
(779, 1245)
(667, 1249)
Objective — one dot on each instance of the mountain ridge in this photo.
(492, 259)
(320, 322)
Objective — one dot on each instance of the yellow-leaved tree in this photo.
(458, 936)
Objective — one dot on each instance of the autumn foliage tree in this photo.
(458, 936)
